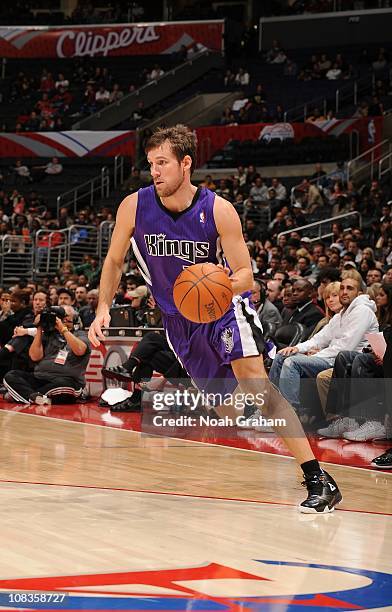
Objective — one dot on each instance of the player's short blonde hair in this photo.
(182, 142)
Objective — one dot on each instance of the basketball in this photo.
(202, 293)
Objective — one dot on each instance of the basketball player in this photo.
(173, 224)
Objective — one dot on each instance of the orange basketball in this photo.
(202, 293)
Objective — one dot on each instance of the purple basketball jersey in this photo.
(164, 242)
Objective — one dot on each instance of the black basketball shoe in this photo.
(323, 494)
(117, 373)
(384, 461)
(131, 404)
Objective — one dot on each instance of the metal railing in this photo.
(366, 165)
(382, 171)
(52, 248)
(87, 192)
(16, 258)
(50, 251)
(347, 93)
(118, 171)
(317, 225)
(104, 238)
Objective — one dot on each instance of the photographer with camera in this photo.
(61, 355)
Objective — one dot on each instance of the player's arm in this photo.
(112, 267)
(230, 231)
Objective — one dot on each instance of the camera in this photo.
(48, 318)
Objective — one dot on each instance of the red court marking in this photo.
(217, 498)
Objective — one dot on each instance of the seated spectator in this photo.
(21, 173)
(242, 78)
(116, 94)
(349, 400)
(21, 311)
(65, 297)
(52, 168)
(259, 191)
(80, 297)
(33, 122)
(102, 96)
(274, 294)
(5, 306)
(61, 357)
(14, 354)
(305, 311)
(87, 313)
(62, 82)
(134, 182)
(345, 329)
(280, 189)
(384, 461)
(155, 73)
(266, 311)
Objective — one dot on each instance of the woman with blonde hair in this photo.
(332, 305)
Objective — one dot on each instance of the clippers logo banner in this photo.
(111, 40)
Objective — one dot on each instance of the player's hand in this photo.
(289, 350)
(227, 271)
(95, 335)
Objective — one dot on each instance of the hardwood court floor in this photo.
(135, 522)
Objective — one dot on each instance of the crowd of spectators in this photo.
(297, 280)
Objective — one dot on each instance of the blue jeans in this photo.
(286, 373)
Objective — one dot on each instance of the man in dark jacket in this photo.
(306, 312)
(22, 313)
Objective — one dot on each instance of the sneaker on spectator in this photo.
(40, 399)
(337, 428)
(384, 461)
(371, 430)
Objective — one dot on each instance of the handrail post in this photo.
(75, 199)
(337, 101)
(355, 93)
(115, 170)
(58, 201)
(305, 111)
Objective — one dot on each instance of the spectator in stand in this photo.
(266, 310)
(5, 306)
(65, 297)
(280, 189)
(156, 73)
(134, 182)
(290, 69)
(259, 191)
(242, 78)
(33, 122)
(374, 275)
(21, 311)
(303, 266)
(62, 82)
(272, 53)
(87, 313)
(102, 97)
(350, 368)
(345, 329)
(46, 83)
(21, 173)
(305, 312)
(80, 297)
(116, 94)
(89, 102)
(274, 293)
(52, 168)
